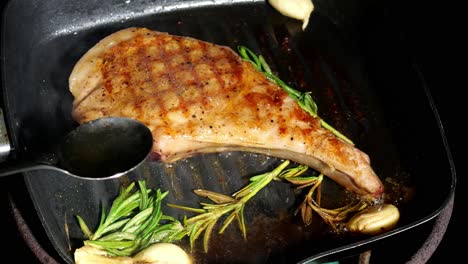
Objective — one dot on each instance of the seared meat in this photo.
(198, 97)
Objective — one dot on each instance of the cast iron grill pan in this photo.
(361, 77)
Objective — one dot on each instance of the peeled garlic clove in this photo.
(297, 9)
(374, 220)
(162, 253)
(92, 255)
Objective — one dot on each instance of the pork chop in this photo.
(198, 97)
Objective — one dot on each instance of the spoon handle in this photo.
(14, 167)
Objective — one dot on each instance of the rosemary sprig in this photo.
(233, 205)
(311, 202)
(134, 221)
(304, 100)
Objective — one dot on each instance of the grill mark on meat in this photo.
(193, 83)
(197, 97)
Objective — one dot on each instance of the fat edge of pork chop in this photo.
(198, 97)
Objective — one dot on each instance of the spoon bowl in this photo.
(104, 148)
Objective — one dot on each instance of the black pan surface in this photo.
(351, 58)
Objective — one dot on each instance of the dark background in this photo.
(429, 32)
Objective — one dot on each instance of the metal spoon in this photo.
(101, 149)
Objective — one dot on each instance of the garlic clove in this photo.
(166, 253)
(159, 253)
(93, 255)
(297, 9)
(374, 220)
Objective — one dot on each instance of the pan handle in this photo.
(5, 146)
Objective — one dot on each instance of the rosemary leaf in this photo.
(186, 208)
(213, 196)
(114, 226)
(118, 236)
(138, 218)
(143, 195)
(241, 221)
(203, 216)
(154, 218)
(124, 208)
(103, 215)
(193, 231)
(227, 222)
(163, 232)
(257, 177)
(124, 192)
(169, 218)
(250, 190)
(124, 252)
(84, 228)
(207, 235)
(303, 179)
(109, 244)
(207, 206)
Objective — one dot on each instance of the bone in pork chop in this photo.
(198, 97)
